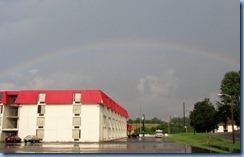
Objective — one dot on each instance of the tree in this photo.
(130, 121)
(154, 120)
(203, 117)
(176, 125)
(231, 85)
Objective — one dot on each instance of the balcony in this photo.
(10, 129)
(12, 113)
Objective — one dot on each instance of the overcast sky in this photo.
(155, 54)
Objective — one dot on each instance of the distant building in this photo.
(62, 115)
(221, 127)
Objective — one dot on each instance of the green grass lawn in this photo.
(137, 125)
(205, 141)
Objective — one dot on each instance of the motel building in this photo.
(62, 115)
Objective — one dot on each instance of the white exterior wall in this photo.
(90, 123)
(98, 123)
(112, 125)
(27, 120)
(58, 123)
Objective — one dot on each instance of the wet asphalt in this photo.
(126, 145)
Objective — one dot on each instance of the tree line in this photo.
(205, 117)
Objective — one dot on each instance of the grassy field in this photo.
(205, 141)
(137, 125)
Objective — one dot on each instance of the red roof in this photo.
(91, 97)
(5, 99)
(64, 97)
(59, 97)
(27, 97)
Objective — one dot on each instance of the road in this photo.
(139, 145)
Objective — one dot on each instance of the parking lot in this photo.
(130, 145)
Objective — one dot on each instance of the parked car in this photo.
(32, 138)
(159, 133)
(12, 138)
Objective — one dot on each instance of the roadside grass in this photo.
(205, 141)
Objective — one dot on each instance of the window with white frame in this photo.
(41, 109)
(76, 109)
(77, 97)
(40, 121)
(40, 133)
(41, 98)
(76, 121)
(76, 133)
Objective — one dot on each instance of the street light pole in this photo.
(143, 127)
(184, 116)
(232, 115)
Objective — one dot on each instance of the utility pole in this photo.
(169, 125)
(184, 116)
(143, 126)
(140, 118)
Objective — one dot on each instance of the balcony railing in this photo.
(13, 117)
(12, 114)
(10, 129)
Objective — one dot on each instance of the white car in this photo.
(159, 133)
(32, 138)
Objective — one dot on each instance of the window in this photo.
(1, 109)
(76, 109)
(76, 133)
(104, 122)
(40, 121)
(76, 121)
(77, 97)
(1, 95)
(40, 133)
(41, 109)
(41, 97)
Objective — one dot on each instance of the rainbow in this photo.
(118, 43)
